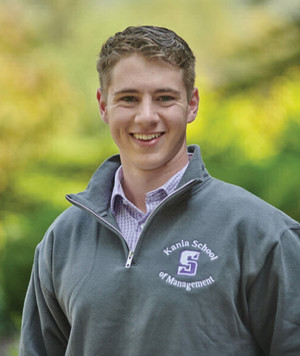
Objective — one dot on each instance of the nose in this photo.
(147, 113)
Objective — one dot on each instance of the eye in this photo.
(165, 98)
(128, 99)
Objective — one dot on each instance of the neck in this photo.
(137, 183)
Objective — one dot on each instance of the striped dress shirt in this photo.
(130, 219)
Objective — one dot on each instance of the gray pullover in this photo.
(216, 271)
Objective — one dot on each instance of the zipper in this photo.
(76, 203)
(131, 252)
(129, 259)
(105, 222)
(181, 189)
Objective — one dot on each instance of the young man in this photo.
(156, 257)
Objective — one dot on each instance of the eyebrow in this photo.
(158, 91)
(168, 90)
(125, 91)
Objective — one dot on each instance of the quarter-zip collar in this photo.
(97, 195)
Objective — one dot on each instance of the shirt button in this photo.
(142, 226)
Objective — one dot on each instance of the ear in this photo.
(102, 105)
(193, 106)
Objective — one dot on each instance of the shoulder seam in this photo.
(291, 227)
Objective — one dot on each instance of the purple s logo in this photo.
(188, 263)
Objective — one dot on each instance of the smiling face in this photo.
(147, 110)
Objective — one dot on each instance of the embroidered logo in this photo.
(188, 264)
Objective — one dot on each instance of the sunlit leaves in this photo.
(51, 136)
(252, 123)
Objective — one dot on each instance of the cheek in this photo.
(118, 129)
(114, 131)
(178, 120)
(116, 137)
(115, 118)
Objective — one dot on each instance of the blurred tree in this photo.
(51, 139)
(36, 104)
(259, 63)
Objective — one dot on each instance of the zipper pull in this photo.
(129, 259)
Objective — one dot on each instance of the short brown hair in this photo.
(151, 42)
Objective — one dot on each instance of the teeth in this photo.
(146, 137)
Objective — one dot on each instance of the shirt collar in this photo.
(118, 191)
(160, 193)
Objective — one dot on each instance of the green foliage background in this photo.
(51, 136)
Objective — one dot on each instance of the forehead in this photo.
(138, 71)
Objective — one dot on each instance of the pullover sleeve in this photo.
(274, 298)
(45, 328)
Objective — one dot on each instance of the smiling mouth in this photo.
(145, 137)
